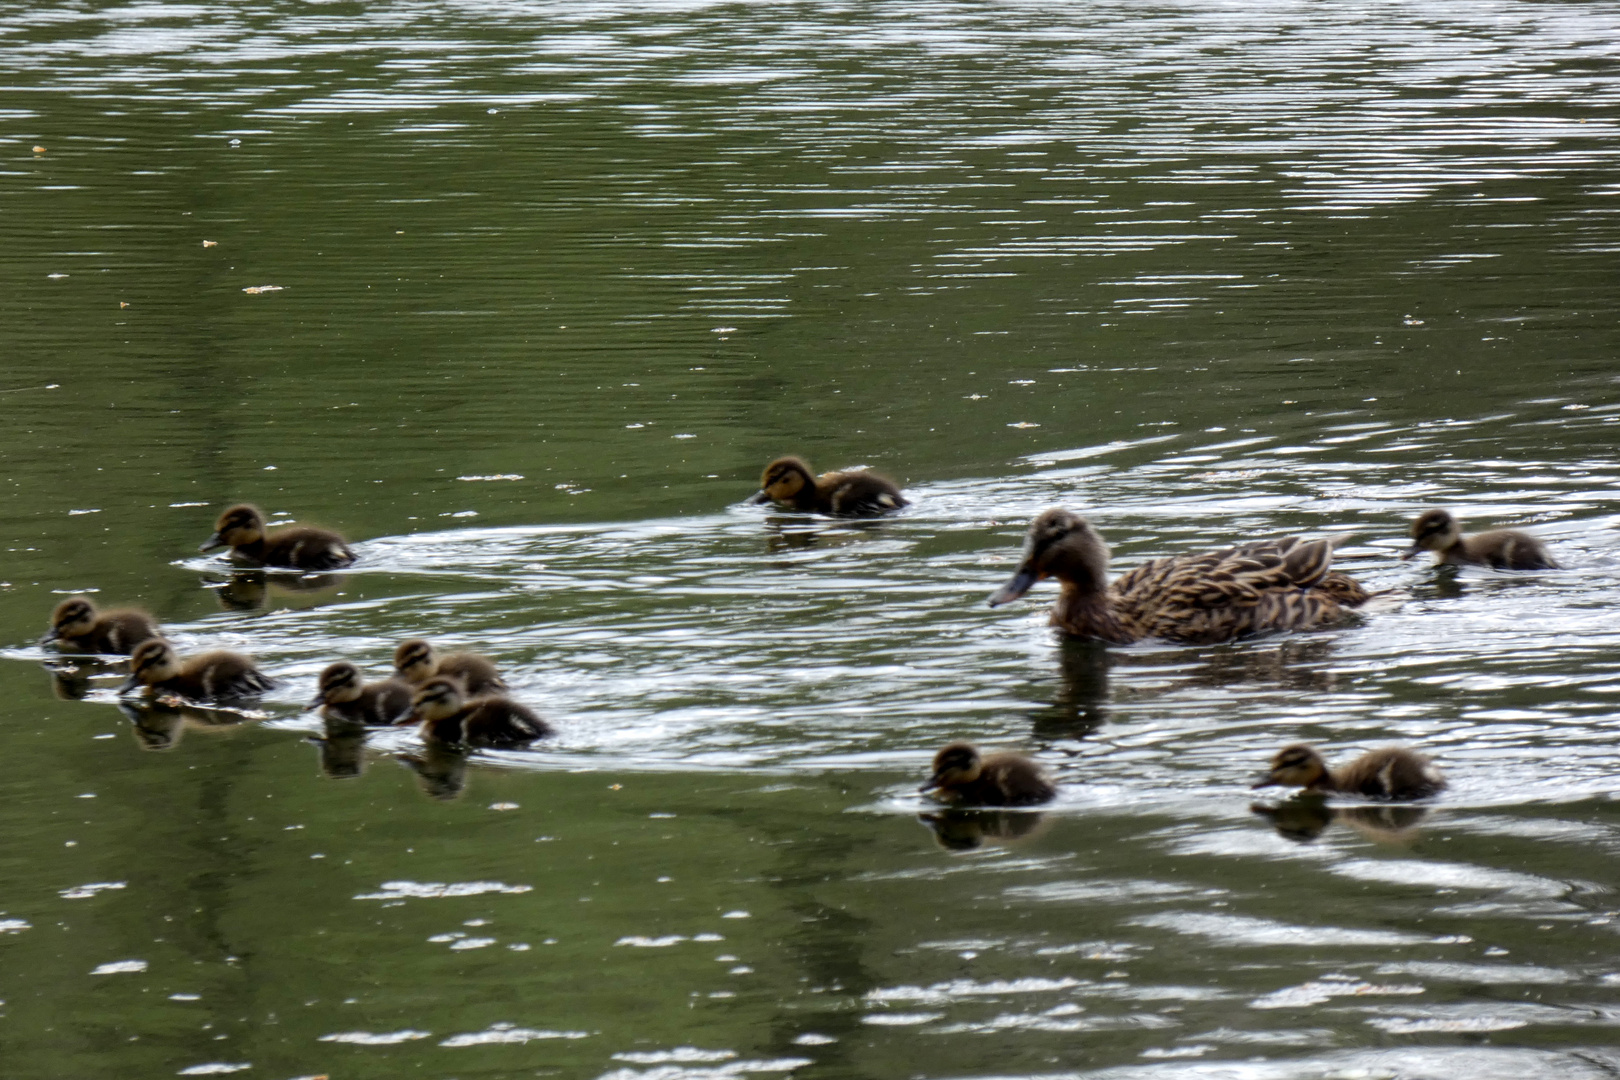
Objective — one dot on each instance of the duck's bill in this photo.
(315, 702)
(933, 782)
(211, 543)
(50, 636)
(1020, 584)
(131, 683)
(406, 717)
(1410, 552)
(758, 498)
(1263, 780)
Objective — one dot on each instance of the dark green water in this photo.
(555, 281)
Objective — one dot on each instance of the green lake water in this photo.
(521, 298)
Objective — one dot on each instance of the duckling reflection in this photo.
(210, 676)
(252, 590)
(784, 535)
(789, 482)
(1501, 549)
(342, 748)
(72, 680)
(1305, 817)
(77, 626)
(158, 724)
(440, 770)
(295, 547)
(416, 661)
(962, 775)
(965, 830)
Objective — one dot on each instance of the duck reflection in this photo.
(342, 747)
(1293, 663)
(72, 680)
(1305, 817)
(440, 770)
(251, 590)
(965, 830)
(785, 533)
(1080, 705)
(158, 724)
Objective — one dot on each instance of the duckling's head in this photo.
(1434, 530)
(782, 481)
(241, 524)
(339, 683)
(153, 661)
(956, 764)
(415, 661)
(1298, 765)
(74, 616)
(437, 699)
(1062, 545)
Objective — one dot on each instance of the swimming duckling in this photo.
(1503, 549)
(416, 662)
(449, 716)
(1200, 598)
(346, 696)
(961, 775)
(206, 677)
(853, 493)
(76, 626)
(297, 547)
(1392, 772)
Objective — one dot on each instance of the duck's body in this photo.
(295, 547)
(209, 676)
(416, 661)
(449, 717)
(76, 626)
(1392, 772)
(343, 695)
(1201, 598)
(962, 775)
(853, 493)
(1503, 549)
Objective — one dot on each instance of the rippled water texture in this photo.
(523, 298)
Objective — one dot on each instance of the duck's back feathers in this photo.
(859, 493)
(1508, 549)
(303, 547)
(1392, 772)
(211, 676)
(501, 722)
(476, 673)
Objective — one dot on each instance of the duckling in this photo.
(961, 775)
(1503, 549)
(205, 677)
(1392, 772)
(853, 493)
(76, 626)
(375, 704)
(449, 717)
(415, 661)
(297, 547)
(1195, 599)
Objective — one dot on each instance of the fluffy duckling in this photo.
(415, 661)
(448, 716)
(76, 626)
(1392, 772)
(1200, 598)
(1503, 549)
(297, 547)
(962, 775)
(853, 493)
(347, 696)
(208, 676)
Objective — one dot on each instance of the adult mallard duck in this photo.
(852, 493)
(1503, 549)
(1196, 599)
(295, 547)
(1392, 772)
(963, 775)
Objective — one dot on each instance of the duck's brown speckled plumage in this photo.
(77, 626)
(416, 661)
(447, 716)
(962, 775)
(853, 493)
(343, 695)
(1502, 549)
(1391, 772)
(1202, 598)
(295, 547)
(210, 676)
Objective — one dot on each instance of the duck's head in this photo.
(339, 683)
(437, 699)
(74, 616)
(241, 524)
(782, 481)
(415, 661)
(153, 661)
(1434, 530)
(956, 764)
(1061, 545)
(1298, 765)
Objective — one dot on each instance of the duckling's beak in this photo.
(315, 702)
(1020, 584)
(758, 498)
(211, 543)
(51, 636)
(1411, 551)
(131, 683)
(404, 718)
(1264, 780)
(933, 782)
